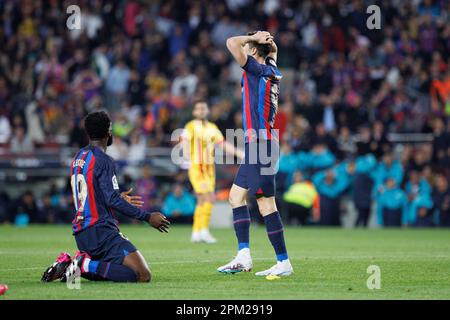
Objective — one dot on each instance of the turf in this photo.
(328, 263)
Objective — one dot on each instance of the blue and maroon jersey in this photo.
(260, 89)
(96, 191)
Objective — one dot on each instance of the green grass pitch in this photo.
(328, 264)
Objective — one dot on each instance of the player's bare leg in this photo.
(137, 263)
(268, 209)
(241, 222)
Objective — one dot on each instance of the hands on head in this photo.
(263, 37)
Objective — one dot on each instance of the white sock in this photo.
(85, 265)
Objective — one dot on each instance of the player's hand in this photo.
(263, 37)
(133, 200)
(158, 221)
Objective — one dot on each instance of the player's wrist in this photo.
(251, 38)
(147, 216)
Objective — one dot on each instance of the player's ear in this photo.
(110, 138)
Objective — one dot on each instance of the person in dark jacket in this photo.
(362, 188)
(441, 200)
(27, 210)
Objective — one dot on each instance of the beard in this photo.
(110, 141)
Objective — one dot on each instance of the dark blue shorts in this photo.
(258, 169)
(104, 242)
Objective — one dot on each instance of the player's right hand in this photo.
(159, 221)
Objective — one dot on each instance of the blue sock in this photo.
(114, 272)
(274, 228)
(241, 222)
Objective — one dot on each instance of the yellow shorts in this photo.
(202, 178)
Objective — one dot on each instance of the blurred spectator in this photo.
(179, 205)
(389, 167)
(420, 204)
(20, 143)
(379, 142)
(5, 207)
(184, 83)
(122, 126)
(330, 185)
(440, 141)
(346, 143)
(147, 187)
(441, 199)
(137, 148)
(392, 204)
(5, 126)
(320, 157)
(34, 118)
(26, 210)
(48, 211)
(302, 201)
(362, 187)
(119, 150)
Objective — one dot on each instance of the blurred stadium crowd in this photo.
(363, 113)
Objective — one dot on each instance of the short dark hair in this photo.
(197, 101)
(263, 50)
(97, 125)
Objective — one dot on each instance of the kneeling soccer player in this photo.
(104, 253)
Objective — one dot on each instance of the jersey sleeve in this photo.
(262, 70)
(110, 189)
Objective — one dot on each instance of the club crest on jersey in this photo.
(79, 163)
(115, 183)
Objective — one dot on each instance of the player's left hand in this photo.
(133, 200)
(159, 221)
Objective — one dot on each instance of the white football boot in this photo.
(196, 237)
(282, 268)
(207, 237)
(242, 262)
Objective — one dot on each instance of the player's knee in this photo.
(144, 275)
(236, 200)
(266, 206)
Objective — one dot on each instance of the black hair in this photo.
(263, 50)
(97, 125)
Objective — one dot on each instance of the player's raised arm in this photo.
(274, 53)
(236, 45)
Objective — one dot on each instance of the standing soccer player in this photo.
(256, 53)
(200, 137)
(104, 252)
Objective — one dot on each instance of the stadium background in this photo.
(347, 92)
